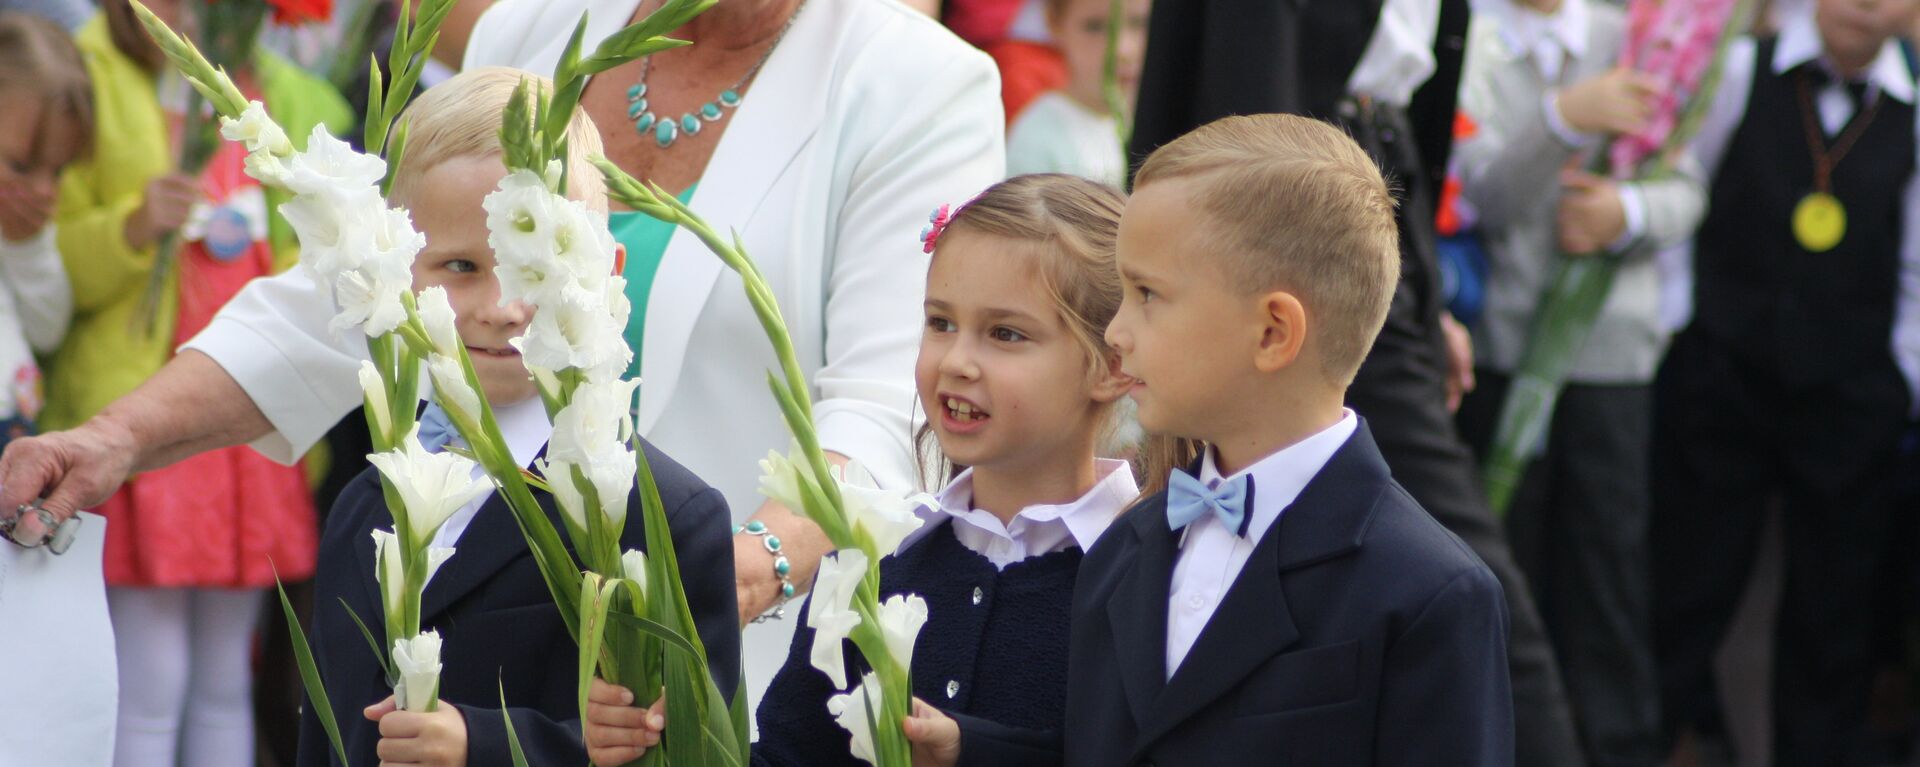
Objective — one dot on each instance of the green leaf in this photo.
(310, 672)
(374, 132)
(513, 739)
(654, 629)
(594, 598)
(570, 55)
(396, 153)
(379, 653)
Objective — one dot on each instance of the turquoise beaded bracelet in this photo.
(781, 567)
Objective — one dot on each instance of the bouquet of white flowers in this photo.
(864, 522)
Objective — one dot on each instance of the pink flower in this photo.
(1675, 41)
(936, 224)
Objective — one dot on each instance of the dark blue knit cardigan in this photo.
(993, 655)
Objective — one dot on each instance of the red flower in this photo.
(294, 12)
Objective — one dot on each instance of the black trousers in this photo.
(1728, 442)
(1578, 525)
(1401, 390)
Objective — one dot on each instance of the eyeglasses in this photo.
(30, 526)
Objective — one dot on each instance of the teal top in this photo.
(645, 239)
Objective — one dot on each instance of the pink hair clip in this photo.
(936, 224)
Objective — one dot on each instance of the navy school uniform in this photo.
(993, 653)
(1359, 631)
(500, 626)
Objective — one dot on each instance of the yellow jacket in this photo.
(103, 356)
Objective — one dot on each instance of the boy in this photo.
(1542, 87)
(489, 602)
(1304, 610)
(1795, 377)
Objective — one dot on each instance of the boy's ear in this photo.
(1283, 331)
(1112, 384)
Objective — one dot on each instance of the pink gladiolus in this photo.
(1675, 41)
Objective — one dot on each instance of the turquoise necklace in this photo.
(666, 131)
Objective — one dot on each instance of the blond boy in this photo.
(503, 635)
(1284, 599)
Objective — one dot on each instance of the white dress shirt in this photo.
(1886, 77)
(1211, 555)
(1399, 57)
(525, 427)
(1036, 530)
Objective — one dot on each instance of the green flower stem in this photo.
(1110, 81)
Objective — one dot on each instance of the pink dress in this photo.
(227, 518)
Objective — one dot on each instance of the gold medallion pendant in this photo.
(1819, 222)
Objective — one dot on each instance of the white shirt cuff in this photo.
(1557, 123)
(1634, 205)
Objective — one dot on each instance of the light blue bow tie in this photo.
(1188, 500)
(436, 430)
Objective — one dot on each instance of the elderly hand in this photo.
(438, 739)
(935, 736)
(70, 470)
(616, 732)
(1591, 216)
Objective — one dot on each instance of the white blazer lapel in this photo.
(780, 112)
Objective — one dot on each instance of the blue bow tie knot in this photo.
(1189, 500)
(436, 429)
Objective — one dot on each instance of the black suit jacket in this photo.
(498, 620)
(1359, 632)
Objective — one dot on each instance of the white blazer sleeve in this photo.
(274, 340)
(942, 145)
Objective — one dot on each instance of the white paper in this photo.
(59, 683)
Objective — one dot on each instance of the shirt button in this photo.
(1196, 601)
(978, 595)
(953, 688)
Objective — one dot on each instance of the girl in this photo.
(1019, 386)
(191, 546)
(46, 119)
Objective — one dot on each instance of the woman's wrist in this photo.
(764, 573)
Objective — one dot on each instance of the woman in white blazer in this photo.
(864, 118)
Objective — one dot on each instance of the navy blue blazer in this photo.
(1359, 632)
(499, 622)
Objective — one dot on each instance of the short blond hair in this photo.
(1295, 205)
(461, 118)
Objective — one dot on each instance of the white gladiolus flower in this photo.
(582, 244)
(437, 314)
(451, 390)
(599, 418)
(900, 619)
(329, 167)
(780, 481)
(566, 495)
(854, 711)
(269, 169)
(887, 516)
(336, 231)
(831, 614)
(521, 216)
(375, 390)
(370, 298)
(578, 331)
(258, 131)
(431, 485)
(634, 564)
(388, 571)
(418, 661)
(394, 239)
(611, 473)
